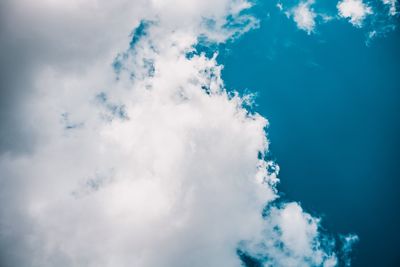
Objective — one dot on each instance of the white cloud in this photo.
(159, 167)
(354, 10)
(304, 16)
(291, 238)
(392, 6)
(279, 5)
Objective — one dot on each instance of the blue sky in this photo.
(333, 106)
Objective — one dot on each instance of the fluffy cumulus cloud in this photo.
(354, 10)
(376, 18)
(304, 16)
(127, 150)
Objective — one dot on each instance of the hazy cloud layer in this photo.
(126, 150)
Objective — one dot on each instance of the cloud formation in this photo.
(376, 19)
(304, 16)
(354, 10)
(392, 6)
(140, 155)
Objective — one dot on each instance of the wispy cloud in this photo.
(392, 6)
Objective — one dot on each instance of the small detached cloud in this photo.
(354, 10)
(279, 5)
(304, 16)
(376, 18)
(392, 6)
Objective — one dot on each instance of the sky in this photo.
(332, 100)
(199, 133)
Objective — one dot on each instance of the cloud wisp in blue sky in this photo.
(377, 17)
(134, 153)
